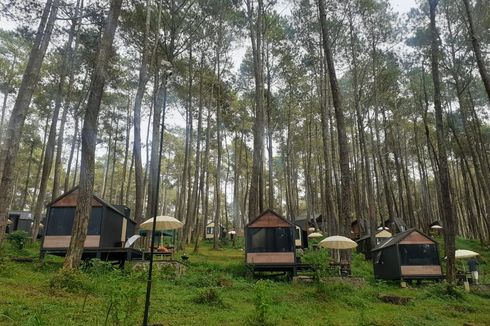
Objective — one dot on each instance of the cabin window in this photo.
(378, 258)
(270, 240)
(210, 230)
(60, 221)
(418, 254)
(298, 236)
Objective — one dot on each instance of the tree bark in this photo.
(255, 201)
(345, 213)
(89, 137)
(16, 123)
(477, 49)
(444, 179)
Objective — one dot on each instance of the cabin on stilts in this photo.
(270, 244)
(108, 228)
(406, 256)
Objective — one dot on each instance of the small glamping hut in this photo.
(210, 231)
(21, 221)
(270, 243)
(301, 237)
(364, 243)
(407, 255)
(108, 228)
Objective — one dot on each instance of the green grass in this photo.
(217, 290)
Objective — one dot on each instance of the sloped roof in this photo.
(97, 198)
(265, 213)
(398, 238)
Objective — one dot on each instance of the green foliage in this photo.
(18, 239)
(97, 267)
(208, 296)
(69, 280)
(213, 291)
(262, 304)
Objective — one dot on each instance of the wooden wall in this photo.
(421, 270)
(271, 258)
(63, 241)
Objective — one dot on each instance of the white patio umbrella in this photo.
(315, 235)
(232, 232)
(312, 229)
(162, 223)
(131, 240)
(9, 222)
(382, 228)
(436, 227)
(337, 242)
(463, 253)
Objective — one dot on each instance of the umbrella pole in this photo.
(154, 211)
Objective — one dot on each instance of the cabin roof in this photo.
(378, 234)
(398, 238)
(97, 198)
(282, 221)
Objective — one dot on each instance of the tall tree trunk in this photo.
(16, 123)
(89, 137)
(477, 49)
(444, 180)
(26, 187)
(126, 153)
(345, 213)
(140, 92)
(72, 152)
(256, 201)
(67, 65)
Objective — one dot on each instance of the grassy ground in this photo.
(217, 290)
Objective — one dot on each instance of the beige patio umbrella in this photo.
(337, 242)
(162, 223)
(315, 235)
(463, 253)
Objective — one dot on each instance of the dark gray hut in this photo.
(108, 228)
(21, 221)
(407, 255)
(270, 242)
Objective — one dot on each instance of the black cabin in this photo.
(304, 223)
(108, 228)
(364, 243)
(20, 221)
(407, 255)
(270, 242)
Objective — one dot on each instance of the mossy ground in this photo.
(217, 290)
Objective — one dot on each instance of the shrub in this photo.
(97, 267)
(262, 305)
(69, 280)
(18, 239)
(208, 296)
(123, 303)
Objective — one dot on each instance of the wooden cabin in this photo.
(301, 237)
(108, 228)
(21, 221)
(396, 225)
(210, 231)
(358, 228)
(364, 243)
(303, 222)
(407, 255)
(270, 242)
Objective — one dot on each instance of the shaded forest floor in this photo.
(216, 289)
